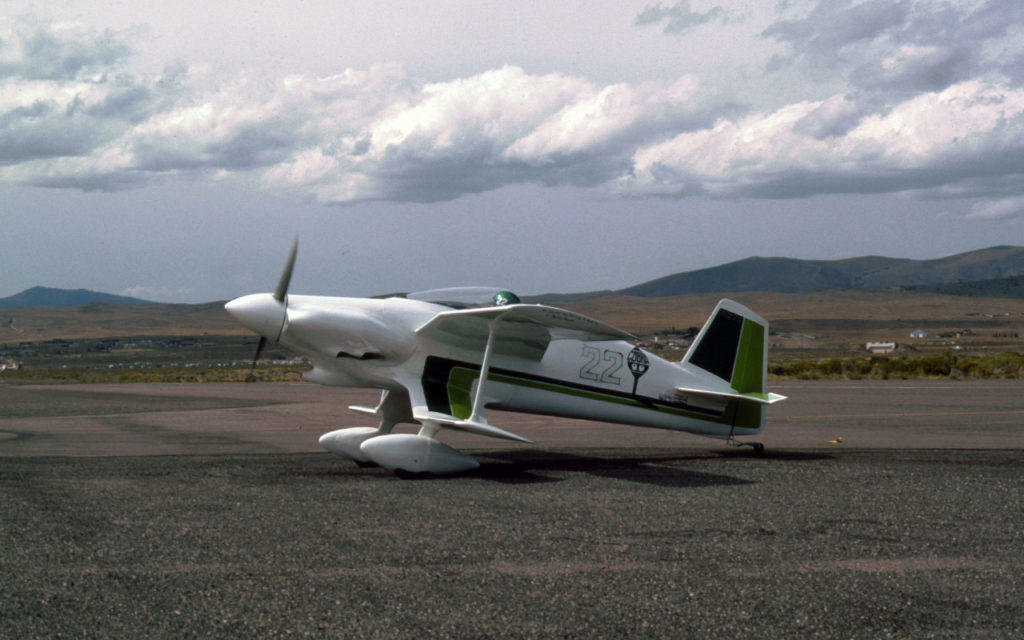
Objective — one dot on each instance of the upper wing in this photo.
(525, 329)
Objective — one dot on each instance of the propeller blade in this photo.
(286, 275)
(280, 295)
(259, 350)
(256, 358)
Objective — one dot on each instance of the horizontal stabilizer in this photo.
(760, 398)
(360, 409)
(472, 426)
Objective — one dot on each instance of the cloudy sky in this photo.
(173, 150)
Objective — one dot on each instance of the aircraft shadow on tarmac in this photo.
(525, 467)
(537, 466)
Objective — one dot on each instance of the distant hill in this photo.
(47, 297)
(1012, 287)
(993, 272)
(790, 275)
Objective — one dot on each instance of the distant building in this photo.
(918, 333)
(957, 334)
(880, 347)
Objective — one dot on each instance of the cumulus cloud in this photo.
(157, 293)
(492, 129)
(72, 117)
(679, 18)
(966, 134)
(359, 135)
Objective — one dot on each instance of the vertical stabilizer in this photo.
(733, 346)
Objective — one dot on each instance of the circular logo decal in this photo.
(638, 362)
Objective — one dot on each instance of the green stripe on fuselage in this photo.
(460, 385)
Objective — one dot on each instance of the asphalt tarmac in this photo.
(207, 511)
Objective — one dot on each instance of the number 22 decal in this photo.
(592, 368)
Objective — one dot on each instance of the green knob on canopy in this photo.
(505, 297)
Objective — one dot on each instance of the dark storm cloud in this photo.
(64, 95)
(903, 46)
(37, 52)
(27, 133)
(679, 18)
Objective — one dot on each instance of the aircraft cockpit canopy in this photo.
(466, 297)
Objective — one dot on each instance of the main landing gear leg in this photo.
(392, 409)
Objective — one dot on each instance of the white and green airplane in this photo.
(443, 357)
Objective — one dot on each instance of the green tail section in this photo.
(748, 371)
(732, 346)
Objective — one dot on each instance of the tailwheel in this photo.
(756, 446)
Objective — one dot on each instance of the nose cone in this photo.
(260, 312)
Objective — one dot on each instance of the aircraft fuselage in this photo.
(371, 343)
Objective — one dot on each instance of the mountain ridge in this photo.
(985, 269)
(795, 275)
(51, 297)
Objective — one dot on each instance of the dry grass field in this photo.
(645, 315)
(829, 321)
(106, 320)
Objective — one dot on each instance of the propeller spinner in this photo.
(265, 313)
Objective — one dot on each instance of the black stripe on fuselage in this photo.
(436, 371)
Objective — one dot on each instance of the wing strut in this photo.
(476, 422)
(476, 415)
